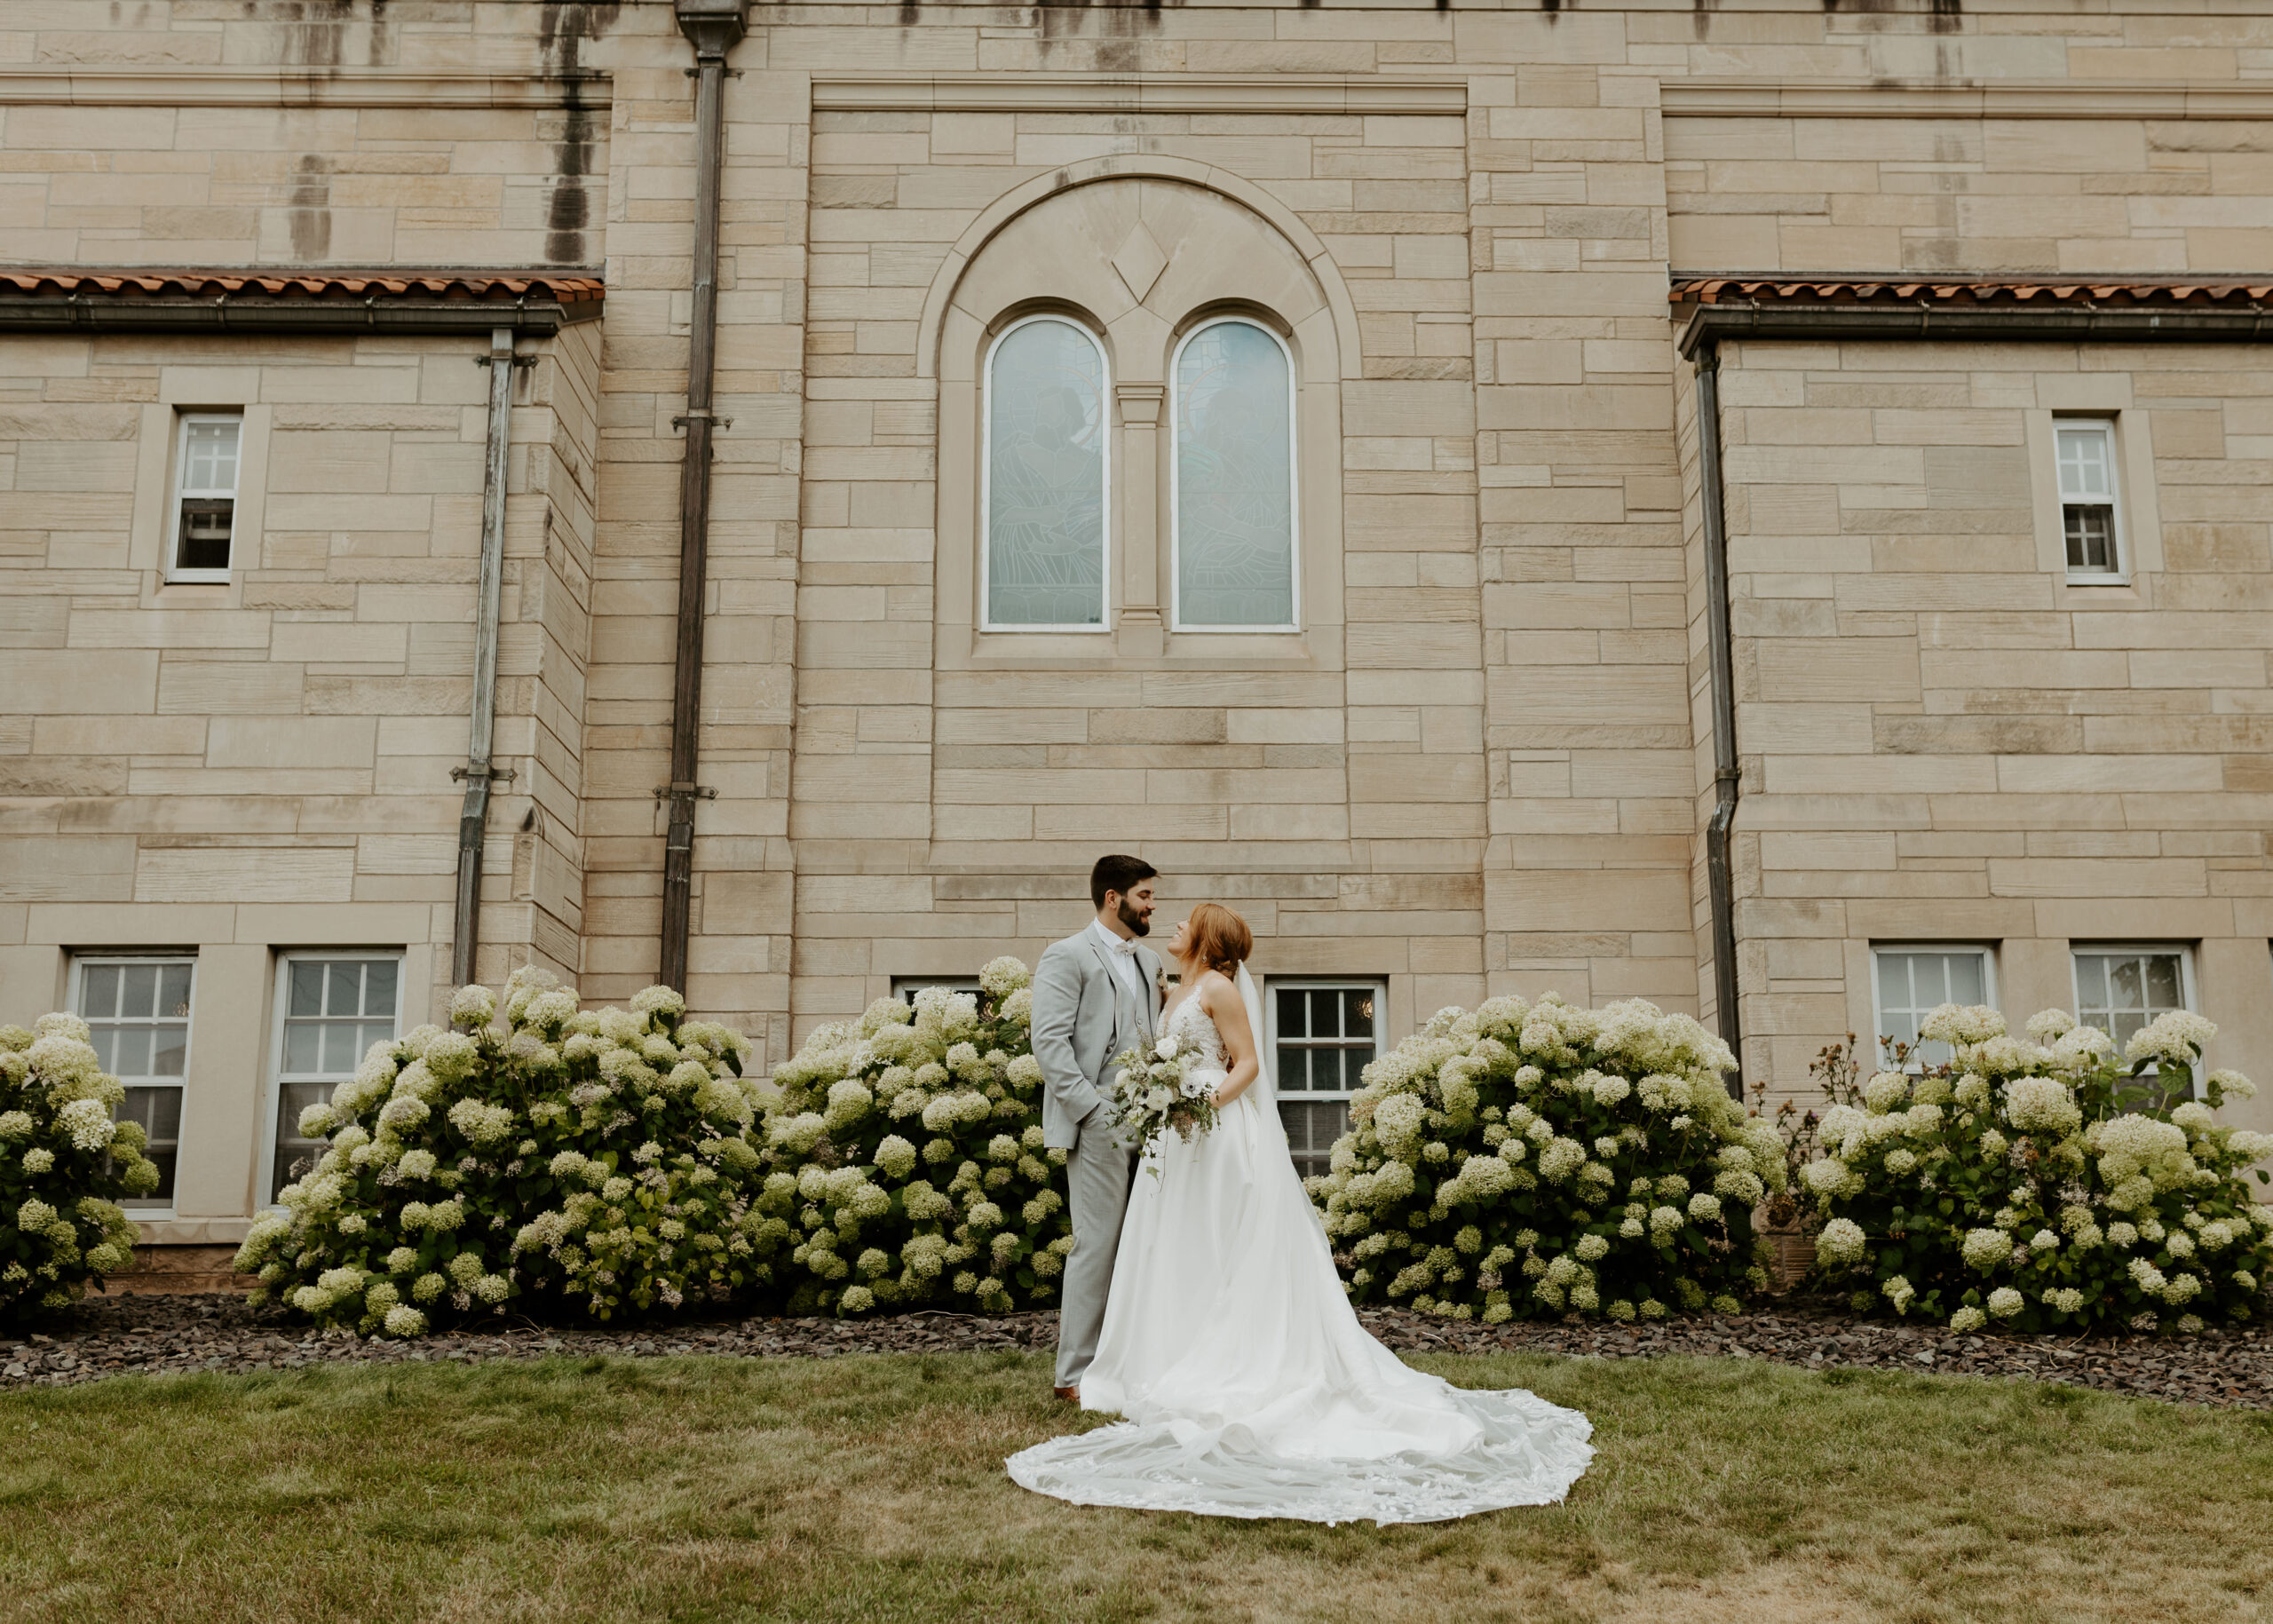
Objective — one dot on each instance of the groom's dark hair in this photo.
(1118, 873)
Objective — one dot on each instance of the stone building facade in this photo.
(1946, 619)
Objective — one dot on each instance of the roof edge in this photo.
(264, 299)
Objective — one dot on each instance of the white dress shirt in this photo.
(1122, 956)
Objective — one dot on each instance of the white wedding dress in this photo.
(1249, 1386)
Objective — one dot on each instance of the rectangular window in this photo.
(330, 1009)
(205, 496)
(1909, 982)
(2088, 519)
(2120, 989)
(137, 1013)
(1323, 1034)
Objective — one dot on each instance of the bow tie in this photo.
(1126, 950)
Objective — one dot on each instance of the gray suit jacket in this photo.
(1083, 1016)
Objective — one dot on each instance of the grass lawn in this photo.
(872, 1489)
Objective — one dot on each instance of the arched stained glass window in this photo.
(1235, 474)
(1046, 477)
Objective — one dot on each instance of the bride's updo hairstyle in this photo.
(1220, 938)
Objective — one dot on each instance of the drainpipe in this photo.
(712, 27)
(1719, 870)
(477, 773)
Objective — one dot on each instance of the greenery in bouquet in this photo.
(1541, 1159)
(902, 1158)
(2043, 1183)
(596, 1160)
(63, 1160)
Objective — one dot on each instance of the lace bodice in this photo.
(1191, 1024)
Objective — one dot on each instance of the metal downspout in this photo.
(712, 27)
(477, 773)
(1719, 869)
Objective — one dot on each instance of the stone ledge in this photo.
(1258, 93)
(261, 87)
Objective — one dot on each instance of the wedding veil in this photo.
(1265, 1091)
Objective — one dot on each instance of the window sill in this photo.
(195, 577)
(1128, 649)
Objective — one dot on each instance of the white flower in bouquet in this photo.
(1155, 1093)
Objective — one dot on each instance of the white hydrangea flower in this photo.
(88, 1122)
(1967, 1318)
(2042, 1105)
(1841, 1242)
(2005, 1303)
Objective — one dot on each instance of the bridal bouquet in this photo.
(1154, 1094)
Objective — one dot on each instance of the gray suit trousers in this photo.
(1098, 1171)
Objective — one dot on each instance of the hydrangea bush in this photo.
(62, 1160)
(902, 1160)
(2040, 1183)
(1539, 1160)
(598, 1159)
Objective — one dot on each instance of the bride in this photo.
(1250, 1388)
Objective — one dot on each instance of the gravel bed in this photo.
(106, 1337)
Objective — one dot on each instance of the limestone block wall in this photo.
(2059, 187)
(253, 184)
(264, 763)
(1943, 738)
(1330, 783)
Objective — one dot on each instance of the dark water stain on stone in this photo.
(307, 213)
(563, 28)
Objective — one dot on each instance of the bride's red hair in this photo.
(1220, 938)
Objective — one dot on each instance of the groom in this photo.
(1095, 994)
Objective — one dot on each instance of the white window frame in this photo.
(178, 485)
(264, 1158)
(2190, 997)
(1294, 485)
(986, 621)
(1988, 952)
(2119, 575)
(906, 987)
(80, 962)
(1273, 986)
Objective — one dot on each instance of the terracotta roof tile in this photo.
(451, 284)
(1976, 292)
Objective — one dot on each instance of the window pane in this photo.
(2091, 538)
(2091, 981)
(373, 1032)
(1357, 1016)
(210, 456)
(2084, 464)
(378, 991)
(1312, 1126)
(1045, 479)
(133, 1056)
(307, 989)
(1235, 479)
(1968, 980)
(137, 993)
(344, 993)
(2162, 983)
(168, 1047)
(1293, 1004)
(2127, 988)
(173, 990)
(303, 1044)
(99, 990)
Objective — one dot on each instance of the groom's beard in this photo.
(1137, 923)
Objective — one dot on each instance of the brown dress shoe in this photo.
(1067, 1395)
